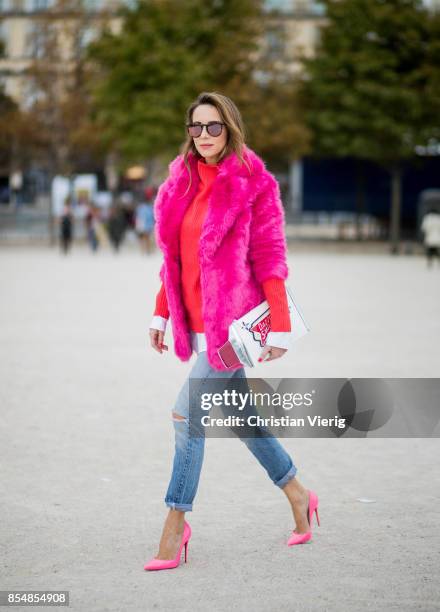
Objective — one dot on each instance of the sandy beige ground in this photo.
(86, 445)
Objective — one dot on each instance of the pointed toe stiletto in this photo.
(160, 564)
(302, 538)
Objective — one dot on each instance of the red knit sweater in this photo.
(190, 230)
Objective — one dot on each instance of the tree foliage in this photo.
(372, 90)
(165, 54)
(169, 51)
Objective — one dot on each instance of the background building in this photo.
(22, 32)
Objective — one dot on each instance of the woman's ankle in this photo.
(294, 490)
(175, 519)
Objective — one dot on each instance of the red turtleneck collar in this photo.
(207, 172)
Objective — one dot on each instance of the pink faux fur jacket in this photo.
(242, 244)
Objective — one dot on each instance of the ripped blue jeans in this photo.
(189, 450)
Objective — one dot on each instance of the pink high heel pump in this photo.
(302, 538)
(160, 564)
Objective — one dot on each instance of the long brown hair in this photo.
(230, 115)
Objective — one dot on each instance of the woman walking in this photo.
(220, 226)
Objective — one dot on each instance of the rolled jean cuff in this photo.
(285, 479)
(181, 507)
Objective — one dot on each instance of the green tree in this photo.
(372, 88)
(165, 54)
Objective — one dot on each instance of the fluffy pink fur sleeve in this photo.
(268, 244)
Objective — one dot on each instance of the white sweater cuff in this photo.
(279, 339)
(159, 323)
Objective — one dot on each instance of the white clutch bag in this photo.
(247, 335)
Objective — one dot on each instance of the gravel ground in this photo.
(87, 444)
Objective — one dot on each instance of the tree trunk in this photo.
(396, 182)
(360, 196)
(51, 217)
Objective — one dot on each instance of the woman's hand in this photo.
(156, 337)
(271, 352)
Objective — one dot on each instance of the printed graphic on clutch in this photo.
(261, 327)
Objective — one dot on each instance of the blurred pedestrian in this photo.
(145, 222)
(91, 221)
(431, 229)
(66, 226)
(100, 226)
(116, 226)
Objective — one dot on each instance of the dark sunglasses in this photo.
(214, 128)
